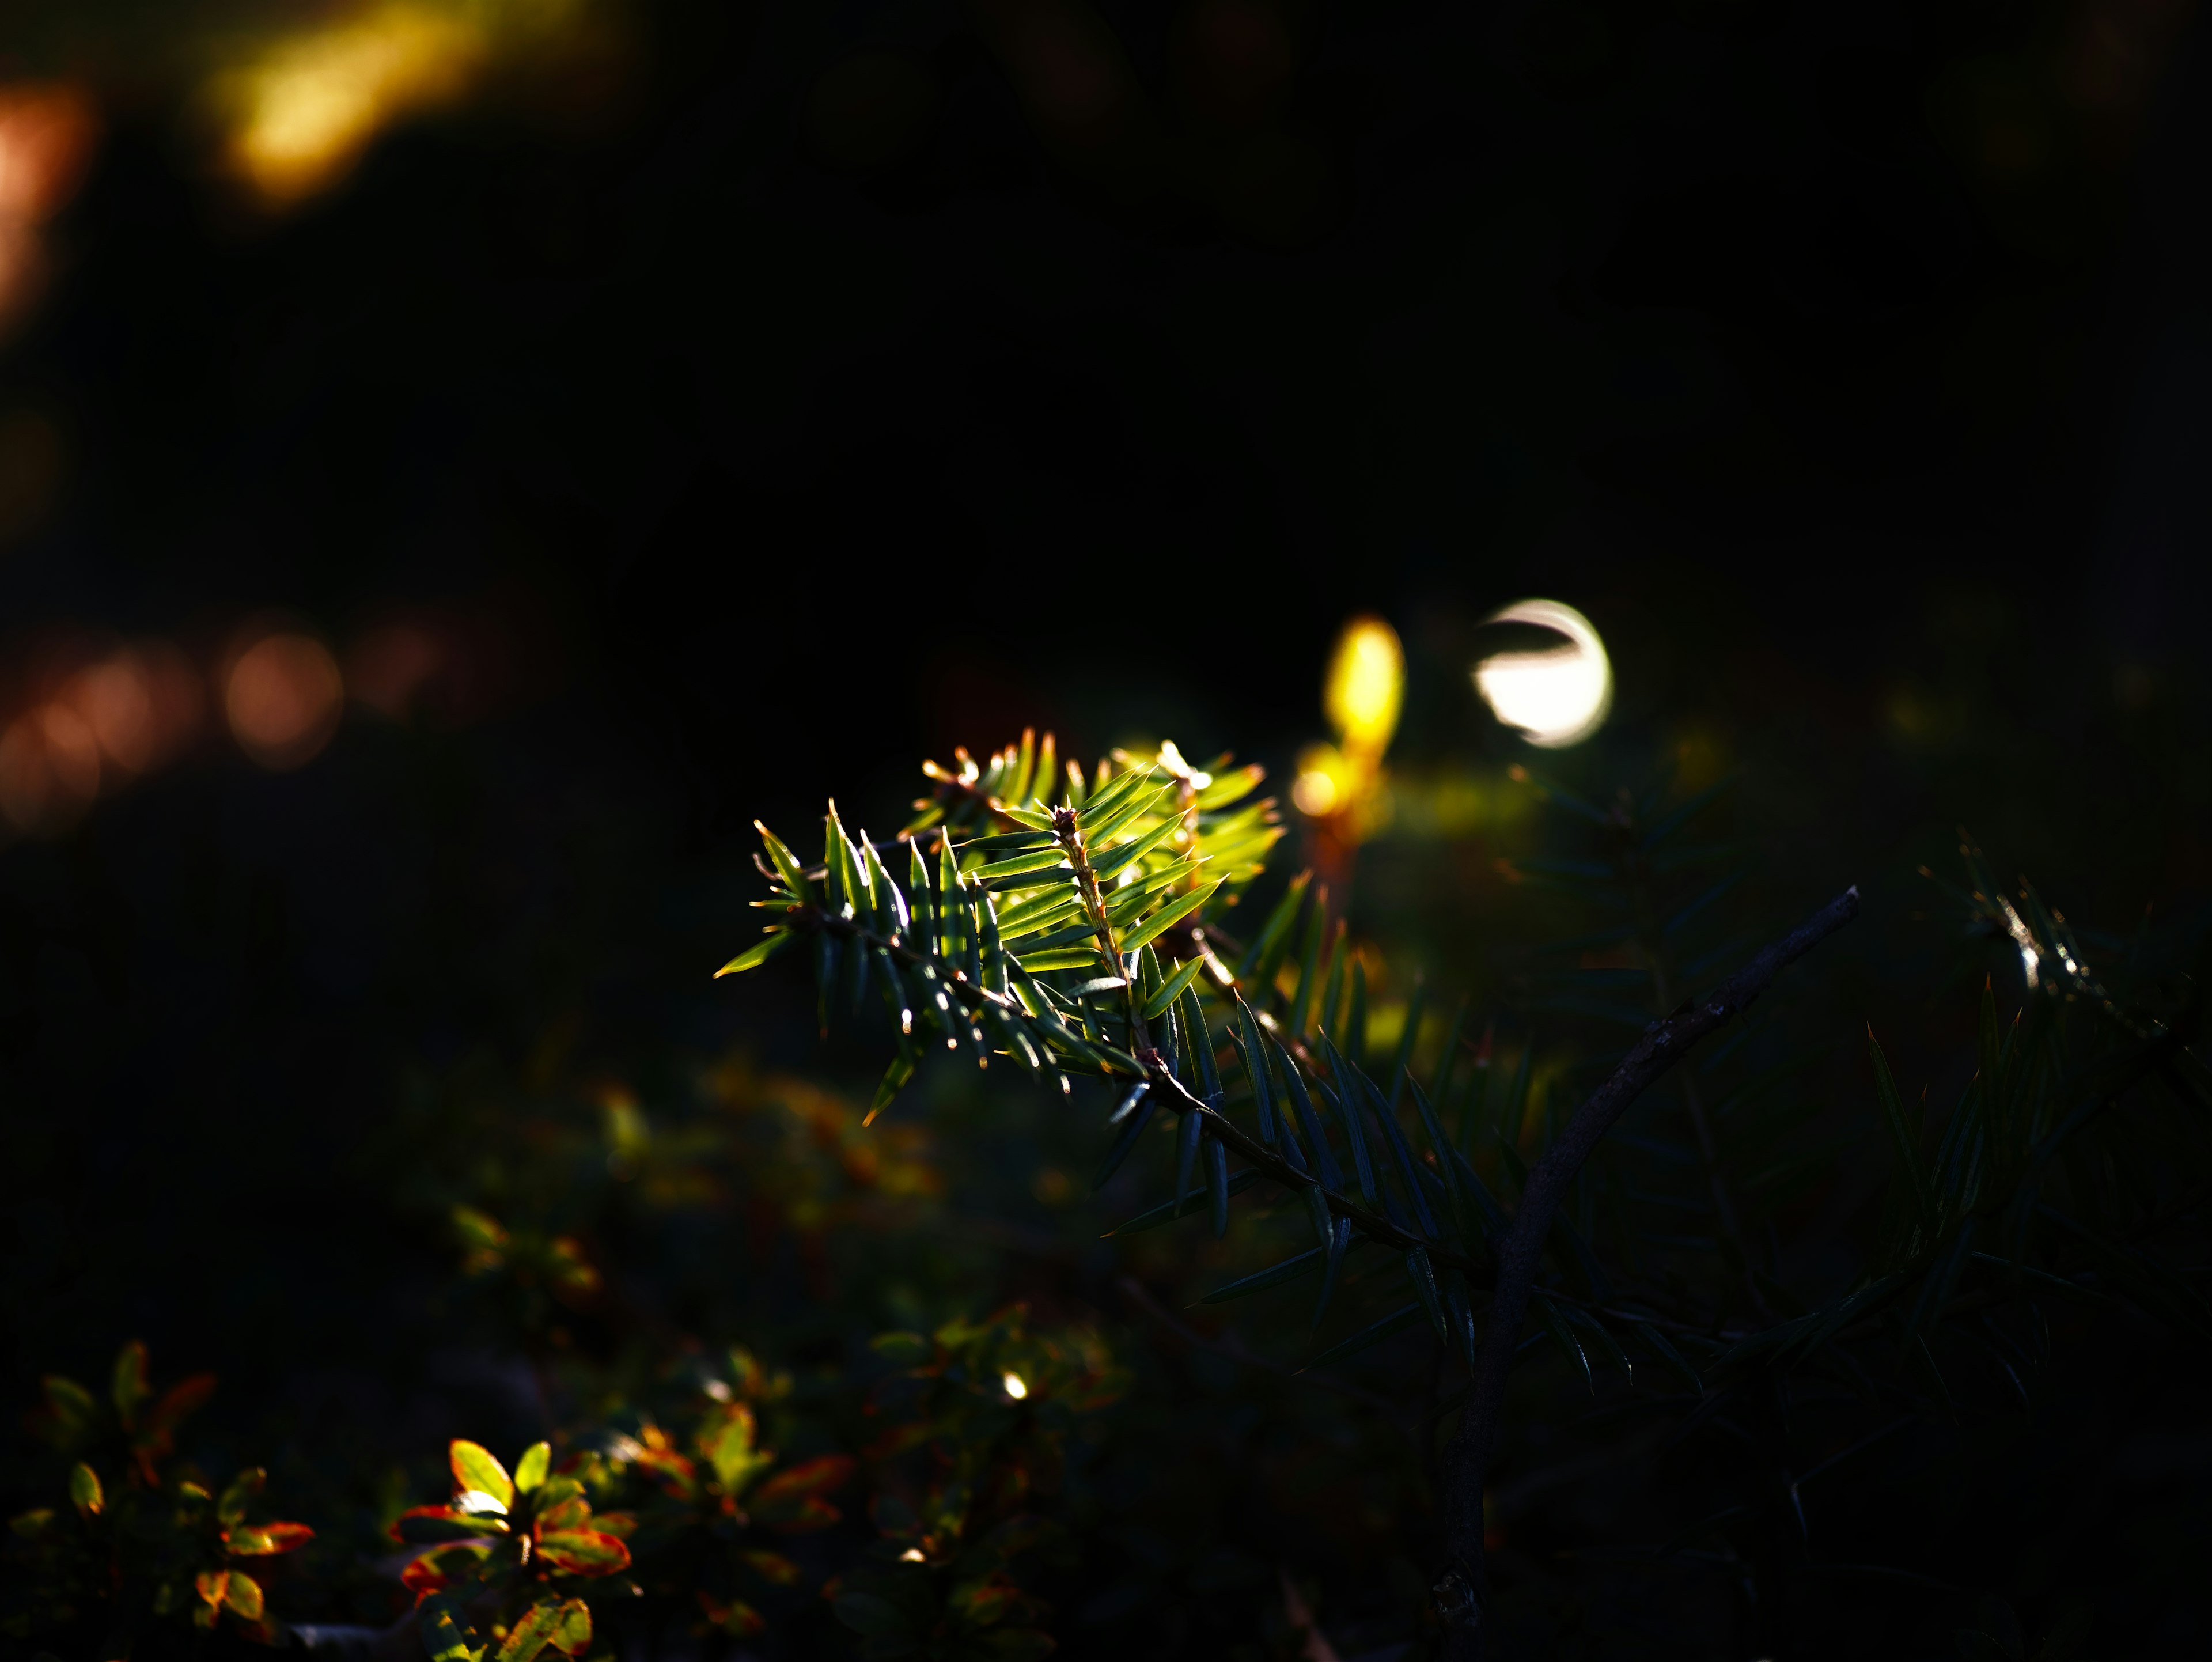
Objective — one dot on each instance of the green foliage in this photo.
(140, 1540)
(975, 1425)
(1297, 1140)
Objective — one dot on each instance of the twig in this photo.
(1460, 1594)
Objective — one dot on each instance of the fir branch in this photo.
(1663, 1044)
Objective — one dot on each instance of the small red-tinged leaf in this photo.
(530, 1471)
(531, 1633)
(85, 1493)
(824, 1472)
(737, 1617)
(158, 1424)
(476, 1471)
(211, 1585)
(266, 1540)
(583, 1551)
(439, 1567)
(620, 1525)
(985, 1602)
(241, 1596)
(426, 1526)
(69, 1417)
(129, 1388)
(573, 1635)
(571, 1512)
(425, 1575)
(771, 1566)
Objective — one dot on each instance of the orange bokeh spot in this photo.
(46, 135)
(283, 697)
(115, 701)
(49, 769)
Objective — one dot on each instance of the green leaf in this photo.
(242, 1597)
(238, 1495)
(476, 1471)
(1049, 859)
(787, 867)
(1333, 987)
(530, 1471)
(1171, 988)
(430, 1525)
(1373, 1334)
(583, 1551)
(1401, 1153)
(892, 921)
(1548, 1313)
(447, 1635)
(1228, 788)
(1340, 1241)
(852, 880)
(71, 1417)
(1294, 1086)
(902, 1350)
(573, 1635)
(1590, 1323)
(85, 1493)
(1134, 1114)
(1189, 1131)
(1217, 1184)
(1309, 960)
(756, 954)
(893, 1081)
(1111, 866)
(1252, 1054)
(532, 1633)
(1125, 903)
(1101, 813)
(129, 1388)
(1345, 1101)
(1655, 1342)
(1058, 957)
(1004, 841)
(1464, 1212)
(1274, 1276)
(1423, 1274)
(1169, 916)
(1265, 954)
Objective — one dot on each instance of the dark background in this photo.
(1848, 366)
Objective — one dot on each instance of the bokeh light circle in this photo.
(1558, 695)
(281, 698)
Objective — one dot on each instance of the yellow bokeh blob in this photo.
(1366, 682)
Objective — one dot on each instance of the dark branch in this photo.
(1663, 1044)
